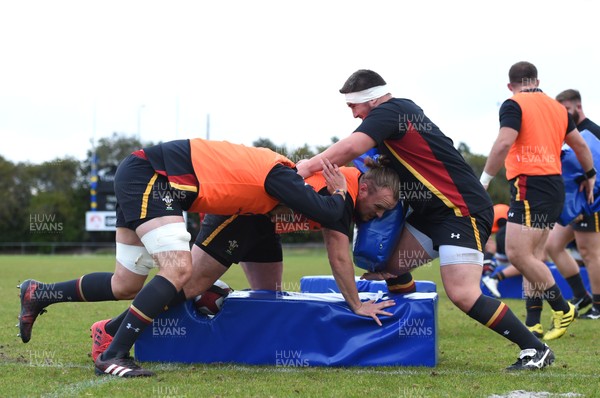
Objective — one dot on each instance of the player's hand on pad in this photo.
(372, 309)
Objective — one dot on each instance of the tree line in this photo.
(47, 202)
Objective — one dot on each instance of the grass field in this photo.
(55, 363)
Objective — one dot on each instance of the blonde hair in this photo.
(379, 175)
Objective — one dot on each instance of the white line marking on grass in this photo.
(76, 388)
(49, 365)
(172, 366)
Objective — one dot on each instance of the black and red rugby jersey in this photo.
(435, 178)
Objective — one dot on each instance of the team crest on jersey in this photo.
(233, 244)
(168, 201)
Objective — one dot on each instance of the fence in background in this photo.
(56, 247)
(93, 247)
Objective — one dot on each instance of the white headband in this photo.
(366, 95)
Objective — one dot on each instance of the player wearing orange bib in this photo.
(153, 187)
(253, 241)
(533, 128)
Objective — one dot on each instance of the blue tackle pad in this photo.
(295, 330)
(376, 239)
(572, 173)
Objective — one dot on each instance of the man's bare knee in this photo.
(125, 294)
(126, 290)
(463, 302)
(517, 256)
(175, 266)
(552, 248)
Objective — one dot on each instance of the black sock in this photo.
(596, 299)
(402, 284)
(554, 297)
(500, 276)
(112, 326)
(534, 306)
(576, 284)
(90, 287)
(497, 316)
(148, 304)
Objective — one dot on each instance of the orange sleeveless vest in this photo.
(232, 177)
(536, 151)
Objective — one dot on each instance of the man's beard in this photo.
(576, 116)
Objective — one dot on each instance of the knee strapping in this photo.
(166, 238)
(135, 258)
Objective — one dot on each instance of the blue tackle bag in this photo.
(572, 173)
(375, 239)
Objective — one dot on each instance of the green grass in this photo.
(55, 363)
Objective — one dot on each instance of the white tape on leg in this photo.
(135, 258)
(166, 238)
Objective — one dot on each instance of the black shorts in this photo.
(142, 194)
(231, 239)
(589, 223)
(536, 201)
(471, 232)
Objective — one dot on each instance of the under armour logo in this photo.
(506, 332)
(453, 235)
(584, 224)
(511, 214)
(137, 330)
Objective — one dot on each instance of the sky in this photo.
(75, 71)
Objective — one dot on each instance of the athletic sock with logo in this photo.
(497, 316)
(148, 304)
(112, 326)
